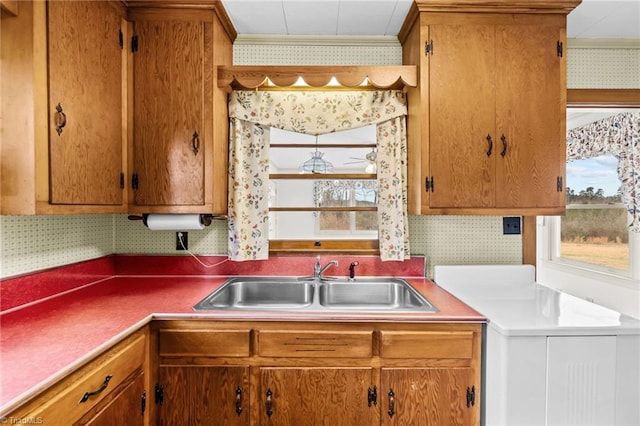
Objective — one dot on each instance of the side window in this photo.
(594, 229)
(594, 233)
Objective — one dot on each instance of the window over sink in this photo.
(254, 114)
(337, 204)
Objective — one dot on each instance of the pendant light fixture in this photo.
(316, 164)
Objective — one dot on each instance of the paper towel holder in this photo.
(205, 218)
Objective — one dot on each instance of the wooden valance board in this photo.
(318, 76)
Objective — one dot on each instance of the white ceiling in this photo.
(591, 19)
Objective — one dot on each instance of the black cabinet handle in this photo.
(392, 403)
(490, 143)
(195, 143)
(102, 387)
(238, 400)
(503, 138)
(60, 119)
(269, 403)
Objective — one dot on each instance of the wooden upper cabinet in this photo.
(487, 124)
(180, 131)
(462, 114)
(530, 113)
(169, 112)
(85, 102)
(66, 55)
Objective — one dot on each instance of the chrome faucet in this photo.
(318, 269)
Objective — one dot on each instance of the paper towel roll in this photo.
(174, 222)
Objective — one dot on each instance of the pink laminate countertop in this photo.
(45, 341)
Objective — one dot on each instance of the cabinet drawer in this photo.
(69, 400)
(349, 344)
(426, 344)
(210, 343)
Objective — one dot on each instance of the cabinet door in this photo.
(461, 115)
(530, 111)
(204, 395)
(124, 409)
(85, 83)
(581, 376)
(169, 106)
(316, 396)
(427, 396)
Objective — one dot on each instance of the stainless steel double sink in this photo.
(304, 294)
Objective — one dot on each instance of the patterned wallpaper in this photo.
(603, 68)
(30, 243)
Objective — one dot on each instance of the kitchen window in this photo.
(336, 204)
(597, 237)
(594, 232)
(256, 180)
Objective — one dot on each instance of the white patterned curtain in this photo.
(252, 113)
(618, 135)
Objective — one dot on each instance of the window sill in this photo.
(605, 277)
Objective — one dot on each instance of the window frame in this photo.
(549, 241)
(360, 246)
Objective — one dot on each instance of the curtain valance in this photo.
(618, 135)
(315, 113)
(253, 113)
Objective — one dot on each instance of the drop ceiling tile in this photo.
(398, 17)
(317, 17)
(256, 17)
(591, 19)
(364, 17)
(622, 22)
(605, 19)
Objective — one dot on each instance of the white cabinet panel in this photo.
(581, 375)
(627, 382)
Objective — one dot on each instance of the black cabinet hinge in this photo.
(429, 185)
(559, 49)
(134, 43)
(428, 48)
(121, 180)
(471, 396)
(372, 396)
(159, 394)
(143, 402)
(134, 181)
(559, 185)
(121, 39)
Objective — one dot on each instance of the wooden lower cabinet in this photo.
(427, 396)
(126, 408)
(109, 390)
(311, 373)
(316, 396)
(208, 395)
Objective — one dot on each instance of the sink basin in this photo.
(335, 295)
(373, 294)
(260, 292)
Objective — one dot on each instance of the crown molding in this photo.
(316, 40)
(603, 43)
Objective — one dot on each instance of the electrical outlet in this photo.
(184, 244)
(511, 225)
